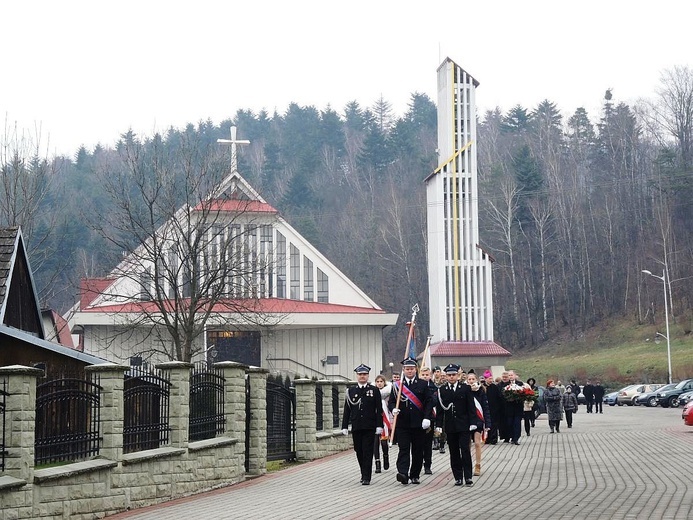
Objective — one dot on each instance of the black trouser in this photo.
(411, 443)
(460, 455)
(514, 426)
(569, 418)
(590, 402)
(598, 406)
(379, 442)
(363, 446)
(529, 420)
(504, 432)
(428, 448)
(555, 424)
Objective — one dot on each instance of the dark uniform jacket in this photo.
(598, 392)
(409, 415)
(495, 400)
(511, 408)
(455, 409)
(364, 408)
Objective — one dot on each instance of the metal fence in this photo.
(281, 421)
(335, 407)
(3, 395)
(319, 423)
(207, 418)
(146, 396)
(67, 419)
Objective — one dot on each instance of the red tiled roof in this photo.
(468, 348)
(267, 305)
(63, 330)
(240, 206)
(90, 288)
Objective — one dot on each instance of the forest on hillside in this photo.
(572, 206)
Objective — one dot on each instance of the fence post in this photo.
(306, 442)
(257, 462)
(179, 401)
(234, 403)
(112, 407)
(20, 415)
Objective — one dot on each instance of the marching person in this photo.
(570, 405)
(598, 393)
(495, 405)
(514, 410)
(554, 405)
(381, 440)
(425, 374)
(456, 413)
(482, 418)
(412, 419)
(364, 409)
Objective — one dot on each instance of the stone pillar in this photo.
(234, 406)
(179, 401)
(306, 442)
(112, 381)
(326, 405)
(20, 417)
(257, 443)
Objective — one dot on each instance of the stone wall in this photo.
(116, 481)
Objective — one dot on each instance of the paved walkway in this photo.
(629, 463)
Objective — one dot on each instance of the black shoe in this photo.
(442, 450)
(415, 480)
(365, 482)
(377, 466)
(427, 471)
(469, 482)
(386, 463)
(459, 482)
(516, 443)
(532, 425)
(527, 434)
(402, 478)
(570, 426)
(506, 440)
(558, 431)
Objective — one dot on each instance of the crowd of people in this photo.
(428, 409)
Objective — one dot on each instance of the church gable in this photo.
(19, 303)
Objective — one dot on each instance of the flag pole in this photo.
(425, 353)
(414, 310)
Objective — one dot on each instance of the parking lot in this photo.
(627, 463)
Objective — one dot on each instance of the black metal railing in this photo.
(207, 419)
(281, 421)
(67, 419)
(3, 395)
(146, 410)
(318, 408)
(335, 407)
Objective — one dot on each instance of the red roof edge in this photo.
(90, 288)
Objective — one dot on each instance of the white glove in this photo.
(378, 431)
(425, 424)
(439, 430)
(395, 411)
(472, 427)
(345, 432)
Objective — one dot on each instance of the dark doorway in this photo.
(232, 345)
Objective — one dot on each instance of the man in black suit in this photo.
(454, 412)
(598, 394)
(588, 392)
(513, 410)
(364, 408)
(413, 418)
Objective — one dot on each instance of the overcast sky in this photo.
(86, 71)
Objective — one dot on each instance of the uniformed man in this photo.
(413, 419)
(455, 409)
(364, 409)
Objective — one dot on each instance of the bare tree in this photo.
(195, 250)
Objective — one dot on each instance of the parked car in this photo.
(610, 399)
(650, 398)
(630, 393)
(686, 398)
(669, 398)
(687, 414)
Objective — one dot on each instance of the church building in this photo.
(315, 322)
(459, 270)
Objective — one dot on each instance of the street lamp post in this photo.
(666, 314)
(392, 370)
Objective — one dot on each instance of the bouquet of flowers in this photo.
(519, 394)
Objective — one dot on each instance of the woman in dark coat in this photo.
(554, 405)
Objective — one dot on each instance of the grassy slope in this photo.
(621, 354)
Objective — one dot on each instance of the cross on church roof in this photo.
(233, 142)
